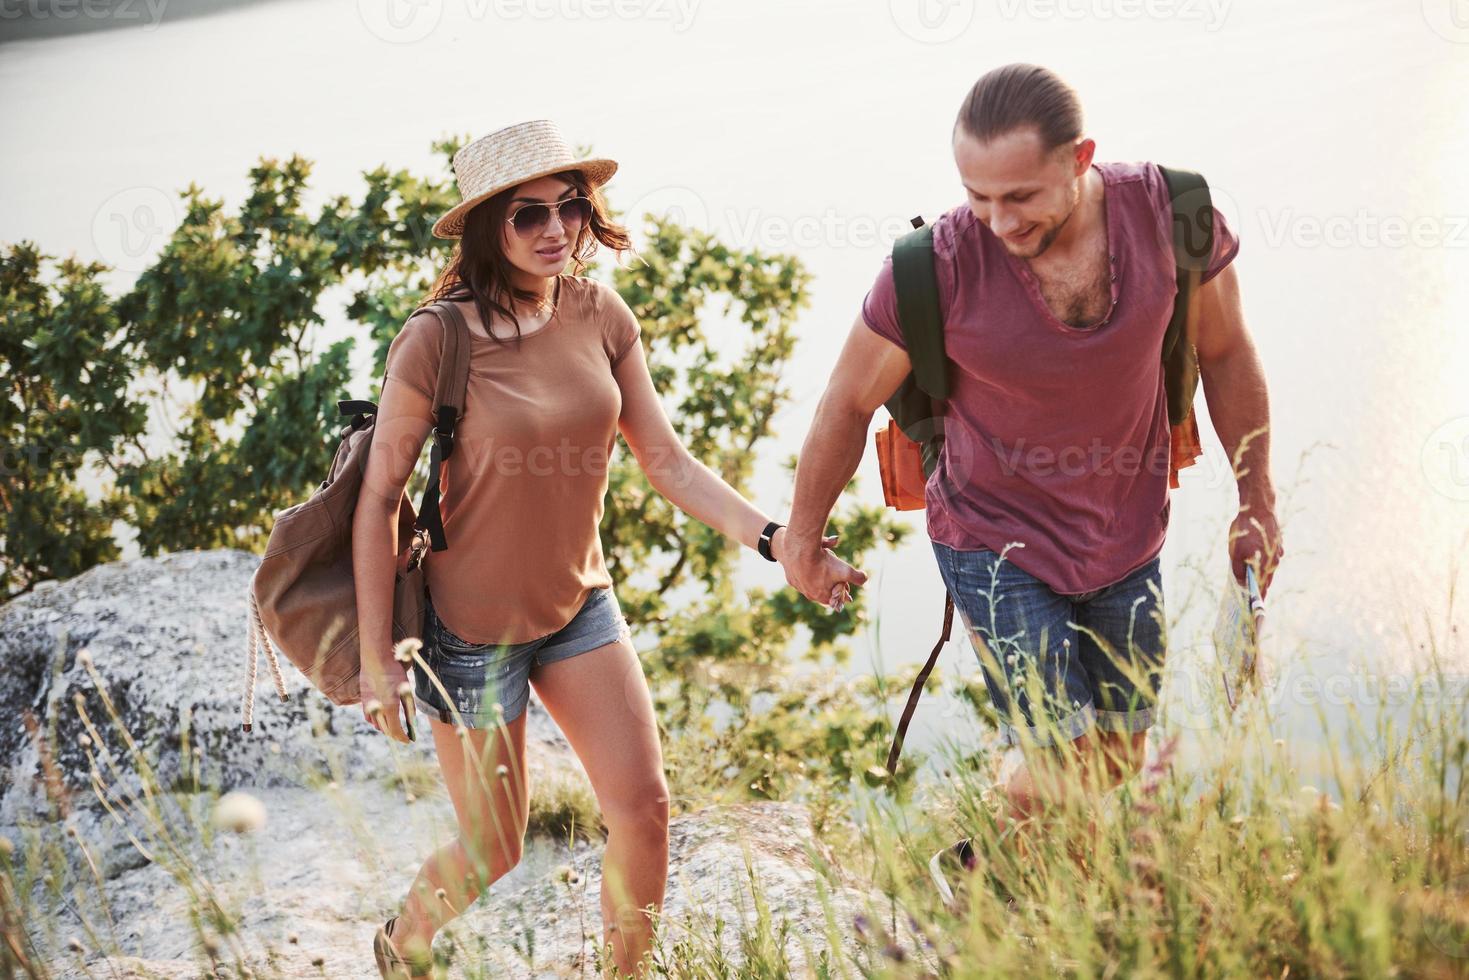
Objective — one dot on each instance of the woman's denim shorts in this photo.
(480, 676)
(1056, 664)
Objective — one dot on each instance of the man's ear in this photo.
(1085, 152)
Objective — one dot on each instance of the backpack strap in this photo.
(1192, 221)
(917, 692)
(453, 382)
(920, 319)
(917, 288)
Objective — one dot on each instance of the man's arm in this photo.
(1239, 405)
(868, 371)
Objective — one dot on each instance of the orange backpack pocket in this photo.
(900, 463)
(1184, 447)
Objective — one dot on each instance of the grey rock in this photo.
(341, 841)
(535, 922)
(166, 638)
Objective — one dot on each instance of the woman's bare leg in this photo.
(491, 810)
(601, 702)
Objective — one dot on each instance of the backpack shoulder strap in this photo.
(449, 393)
(454, 367)
(1192, 220)
(916, 286)
(1191, 214)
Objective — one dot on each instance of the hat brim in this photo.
(451, 223)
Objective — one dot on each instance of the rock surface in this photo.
(341, 839)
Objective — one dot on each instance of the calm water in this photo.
(1334, 134)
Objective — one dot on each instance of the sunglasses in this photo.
(532, 219)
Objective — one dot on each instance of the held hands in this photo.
(815, 571)
(387, 697)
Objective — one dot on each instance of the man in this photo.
(1056, 281)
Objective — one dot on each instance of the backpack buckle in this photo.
(415, 550)
(444, 430)
(446, 443)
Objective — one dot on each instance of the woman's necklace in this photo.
(549, 309)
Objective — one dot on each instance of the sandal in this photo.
(392, 964)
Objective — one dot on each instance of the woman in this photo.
(522, 595)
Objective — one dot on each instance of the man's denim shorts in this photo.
(479, 676)
(1057, 665)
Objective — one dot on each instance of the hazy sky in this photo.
(1334, 134)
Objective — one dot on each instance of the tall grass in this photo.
(1229, 865)
(1218, 861)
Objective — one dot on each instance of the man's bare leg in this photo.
(1047, 780)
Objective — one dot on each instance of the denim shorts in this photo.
(480, 675)
(1057, 665)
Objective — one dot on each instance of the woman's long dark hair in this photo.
(479, 271)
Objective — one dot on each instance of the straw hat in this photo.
(511, 156)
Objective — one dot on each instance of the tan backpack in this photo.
(302, 597)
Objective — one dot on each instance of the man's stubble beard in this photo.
(1049, 238)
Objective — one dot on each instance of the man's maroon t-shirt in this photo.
(1056, 436)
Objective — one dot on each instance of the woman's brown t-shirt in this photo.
(522, 495)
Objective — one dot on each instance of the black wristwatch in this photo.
(766, 537)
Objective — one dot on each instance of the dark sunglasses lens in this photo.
(576, 211)
(531, 220)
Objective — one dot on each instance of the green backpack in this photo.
(912, 405)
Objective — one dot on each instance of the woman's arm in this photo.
(398, 435)
(673, 471)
